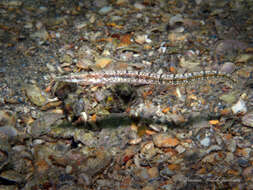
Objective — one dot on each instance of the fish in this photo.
(142, 77)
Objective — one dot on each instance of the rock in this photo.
(248, 119)
(100, 3)
(148, 151)
(228, 67)
(11, 176)
(244, 58)
(139, 6)
(166, 172)
(229, 98)
(44, 124)
(205, 141)
(105, 10)
(35, 95)
(153, 172)
(41, 34)
(176, 19)
(239, 107)
(103, 62)
(180, 149)
(164, 140)
(7, 118)
(231, 145)
(224, 47)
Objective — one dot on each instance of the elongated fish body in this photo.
(141, 77)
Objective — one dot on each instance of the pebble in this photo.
(141, 39)
(228, 67)
(166, 172)
(44, 124)
(213, 148)
(248, 172)
(231, 145)
(105, 10)
(41, 34)
(164, 140)
(176, 19)
(103, 62)
(36, 95)
(11, 3)
(248, 119)
(11, 176)
(244, 58)
(153, 172)
(7, 118)
(205, 141)
(142, 174)
(229, 98)
(84, 146)
(148, 151)
(180, 149)
(224, 47)
(243, 163)
(139, 6)
(100, 3)
(9, 131)
(240, 107)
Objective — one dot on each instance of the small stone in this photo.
(231, 145)
(35, 95)
(228, 67)
(41, 34)
(9, 131)
(175, 36)
(205, 141)
(167, 187)
(198, 2)
(166, 172)
(7, 118)
(213, 148)
(229, 157)
(68, 169)
(100, 3)
(209, 158)
(141, 39)
(176, 19)
(44, 124)
(105, 10)
(248, 172)
(229, 98)
(180, 149)
(103, 62)
(239, 107)
(139, 6)
(242, 162)
(224, 47)
(81, 25)
(153, 172)
(11, 3)
(11, 176)
(245, 152)
(164, 140)
(142, 174)
(248, 119)
(120, 2)
(66, 59)
(244, 58)
(84, 63)
(188, 64)
(148, 151)
(135, 141)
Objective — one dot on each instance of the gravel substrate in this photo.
(146, 131)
